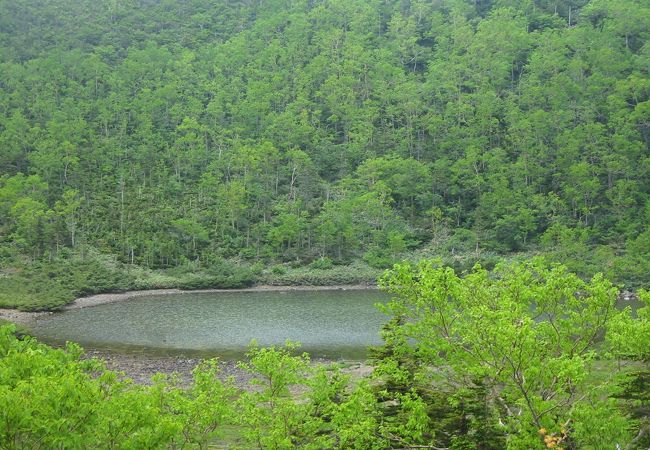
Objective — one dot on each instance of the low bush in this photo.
(356, 273)
(322, 263)
(18, 330)
(278, 269)
(46, 286)
(378, 260)
(33, 291)
(238, 279)
(152, 279)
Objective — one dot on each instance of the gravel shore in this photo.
(100, 299)
(21, 317)
(140, 368)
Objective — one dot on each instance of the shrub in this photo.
(378, 260)
(323, 263)
(306, 276)
(278, 269)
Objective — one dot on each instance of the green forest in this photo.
(166, 143)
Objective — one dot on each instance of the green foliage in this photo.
(18, 329)
(377, 259)
(53, 398)
(32, 293)
(49, 285)
(322, 263)
(172, 144)
(356, 273)
(278, 269)
(274, 418)
(527, 356)
(634, 267)
(629, 336)
(358, 419)
(164, 133)
(223, 276)
(527, 334)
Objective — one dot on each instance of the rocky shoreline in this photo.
(21, 317)
(140, 368)
(100, 299)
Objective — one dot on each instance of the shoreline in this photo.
(30, 318)
(100, 299)
(140, 368)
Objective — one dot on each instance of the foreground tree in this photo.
(529, 337)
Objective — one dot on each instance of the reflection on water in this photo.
(330, 324)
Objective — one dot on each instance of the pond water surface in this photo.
(330, 324)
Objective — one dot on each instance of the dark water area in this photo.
(333, 324)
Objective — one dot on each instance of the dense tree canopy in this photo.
(164, 131)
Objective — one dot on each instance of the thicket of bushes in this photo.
(49, 285)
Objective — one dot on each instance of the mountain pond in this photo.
(333, 324)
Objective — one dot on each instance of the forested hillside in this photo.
(276, 130)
